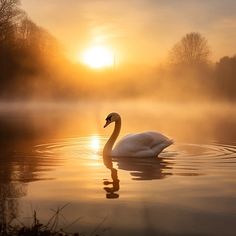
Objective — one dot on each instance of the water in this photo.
(51, 157)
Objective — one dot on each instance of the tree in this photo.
(191, 50)
(9, 11)
(225, 73)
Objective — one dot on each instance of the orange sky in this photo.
(139, 31)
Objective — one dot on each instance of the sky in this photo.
(138, 31)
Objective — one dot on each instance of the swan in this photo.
(146, 144)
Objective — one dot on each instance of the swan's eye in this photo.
(108, 118)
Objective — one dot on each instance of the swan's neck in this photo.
(108, 146)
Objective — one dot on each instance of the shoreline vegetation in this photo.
(34, 67)
(51, 227)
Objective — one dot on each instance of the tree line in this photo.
(32, 63)
(28, 53)
(190, 59)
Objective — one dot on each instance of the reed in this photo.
(50, 228)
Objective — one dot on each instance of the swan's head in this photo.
(112, 117)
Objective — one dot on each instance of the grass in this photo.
(48, 229)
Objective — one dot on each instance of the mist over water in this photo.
(54, 99)
(52, 155)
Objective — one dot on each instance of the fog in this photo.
(34, 67)
(52, 114)
(188, 95)
(192, 122)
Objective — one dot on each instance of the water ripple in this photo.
(184, 159)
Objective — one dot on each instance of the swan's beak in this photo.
(107, 123)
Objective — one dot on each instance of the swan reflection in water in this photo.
(139, 168)
(111, 191)
(145, 168)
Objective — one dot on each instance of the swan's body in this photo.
(146, 144)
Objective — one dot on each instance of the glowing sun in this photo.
(98, 57)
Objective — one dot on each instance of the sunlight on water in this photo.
(95, 143)
(202, 169)
(179, 159)
(190, 189)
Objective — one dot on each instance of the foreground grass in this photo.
(38, 229)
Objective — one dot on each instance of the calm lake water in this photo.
(51, 157)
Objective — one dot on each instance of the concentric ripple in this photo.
(186, 159)
(82, 147)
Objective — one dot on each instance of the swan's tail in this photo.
(171, 141)
(168, 143)
(159, 148)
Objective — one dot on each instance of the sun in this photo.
(98, 57)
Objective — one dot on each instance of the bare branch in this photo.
(192, 49)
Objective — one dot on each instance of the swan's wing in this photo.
(142, 144)
(129, 145)
(135, 140)
(160, 142)
(159, 138)
(144, 139)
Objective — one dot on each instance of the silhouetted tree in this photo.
(9, 11)
(190, 66)
(192, 50)
(225, 74)
(29, 55)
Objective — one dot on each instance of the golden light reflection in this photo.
(98, 57)
(95, 143)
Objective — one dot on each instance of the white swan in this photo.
(146, 144)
